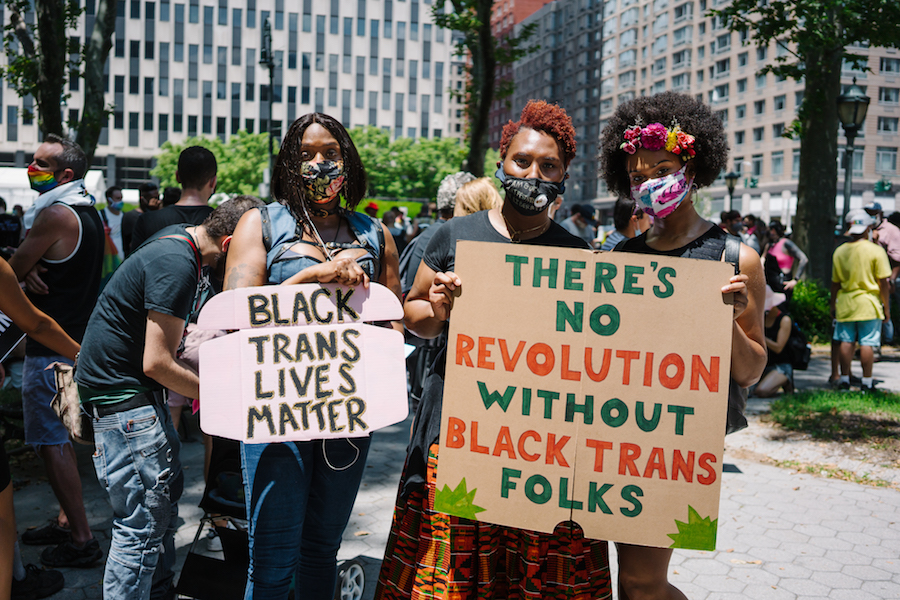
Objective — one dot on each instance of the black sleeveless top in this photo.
(74, 282)
(708, 246)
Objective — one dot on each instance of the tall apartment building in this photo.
(566, 71)
(595, 56)
(504, 18)
(182, 68)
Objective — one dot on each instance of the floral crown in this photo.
(657, 137)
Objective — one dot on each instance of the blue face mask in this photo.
(115, 205)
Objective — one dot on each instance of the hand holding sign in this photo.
(304, 365)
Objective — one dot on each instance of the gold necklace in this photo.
(516, 236)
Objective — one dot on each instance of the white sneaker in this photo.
(213, 542)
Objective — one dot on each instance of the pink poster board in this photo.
(275, 382)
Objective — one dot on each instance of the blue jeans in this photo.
(136, 460)
(299, 499)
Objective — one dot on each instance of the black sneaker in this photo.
(68, 555)
(38, 583)
(843, 385)
(50, 534)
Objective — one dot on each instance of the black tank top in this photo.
(74, 282)
(708, 246)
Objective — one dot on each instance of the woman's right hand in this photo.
(345, 271)
(441, 293)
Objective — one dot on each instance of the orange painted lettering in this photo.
(504, 443)
(554, 450)
(455, 430)
(473, 442)
(509, 362)
(484, 353)
(464, 345)
(522, 452)
(589, 366)
(627, 455)
(598, 447)
(704, 461)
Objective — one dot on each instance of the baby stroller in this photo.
(205, 576)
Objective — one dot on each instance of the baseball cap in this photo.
(858, 221)
(874, 207)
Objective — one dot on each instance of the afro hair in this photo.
(549, 118)
(694, 117)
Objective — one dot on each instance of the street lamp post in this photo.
(267, 59)
(731, 180)
(852, 106)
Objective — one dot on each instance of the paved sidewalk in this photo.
(782, 535)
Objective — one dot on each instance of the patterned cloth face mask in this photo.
(41, 181)
(529, 196)
(660, 197)
(323, 180)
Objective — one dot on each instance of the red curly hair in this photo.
(549, 118)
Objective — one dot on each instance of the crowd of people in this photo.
(129, 328)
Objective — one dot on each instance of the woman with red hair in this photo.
(435, 555)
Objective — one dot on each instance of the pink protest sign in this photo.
(303, 366)
(302, 304)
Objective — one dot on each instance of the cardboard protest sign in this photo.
(303, 364)
(587, 387)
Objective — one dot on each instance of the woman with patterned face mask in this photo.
(659, 150)
(300, 494)
(430, 554)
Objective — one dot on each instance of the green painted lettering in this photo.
(517, 262)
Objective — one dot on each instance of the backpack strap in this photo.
(103, 217)
(266, 227)
(732, 252)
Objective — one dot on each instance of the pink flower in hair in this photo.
(629, 147)
(633, 134)
(653, 136)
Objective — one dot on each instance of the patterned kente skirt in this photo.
(434, 555)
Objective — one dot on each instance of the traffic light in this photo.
(883, 185)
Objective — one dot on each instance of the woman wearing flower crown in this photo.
(659, 150)
(299, 494)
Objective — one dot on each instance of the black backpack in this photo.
(798, 348)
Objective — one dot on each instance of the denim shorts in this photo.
(785, 369)
(42, 425)
(867, 333)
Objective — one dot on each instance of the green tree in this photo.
(406, 167)
(241, 161)
(817, 35)
(472, 20)
(38, 58)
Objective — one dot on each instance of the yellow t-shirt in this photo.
(858, 266)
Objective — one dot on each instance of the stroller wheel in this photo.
(351, 581)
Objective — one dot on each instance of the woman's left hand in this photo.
(738, 287)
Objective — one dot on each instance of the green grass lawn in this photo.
(841, 416)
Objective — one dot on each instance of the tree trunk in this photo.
(51, 34)
(94, 116)
(483, 75)
(817, 179)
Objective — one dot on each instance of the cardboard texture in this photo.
(587, 387)
(270, 382)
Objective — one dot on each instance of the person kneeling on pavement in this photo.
(127, 359)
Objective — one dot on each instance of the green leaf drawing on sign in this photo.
(697, 534)
(458, 502)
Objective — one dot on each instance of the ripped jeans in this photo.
(136, 460)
